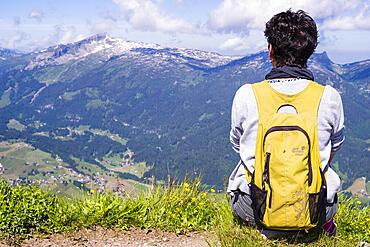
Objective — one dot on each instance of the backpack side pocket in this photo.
(258, 201)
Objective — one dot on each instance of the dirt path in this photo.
(117, 238)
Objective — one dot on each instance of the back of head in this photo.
(292, 37)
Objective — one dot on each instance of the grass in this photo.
(26, 211)
(51, 74)
(113, 137)
(17, 155)
(96, 103)
(5, 98)
(86, 128)
(205, 116)
(137, 169)
(68, 96)
(357, 186)
(15, 124)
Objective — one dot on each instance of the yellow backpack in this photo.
(288, 187)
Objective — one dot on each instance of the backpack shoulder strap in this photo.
(270, 100)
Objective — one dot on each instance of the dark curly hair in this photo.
(292, 36)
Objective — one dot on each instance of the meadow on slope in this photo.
(29, 211)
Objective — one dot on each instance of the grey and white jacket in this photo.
(244, 123)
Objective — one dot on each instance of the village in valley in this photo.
(19, 165)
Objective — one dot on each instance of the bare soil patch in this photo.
(117, 238)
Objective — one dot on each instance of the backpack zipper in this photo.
(266, 174)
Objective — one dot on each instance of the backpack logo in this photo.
(299, 151)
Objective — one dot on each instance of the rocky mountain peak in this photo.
(322, 58)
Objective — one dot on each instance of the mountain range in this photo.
(169, 106)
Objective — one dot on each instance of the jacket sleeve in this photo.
(237, 116)
(337, 136)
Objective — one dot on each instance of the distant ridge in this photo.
(102, 43)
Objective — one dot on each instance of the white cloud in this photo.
(145, 15)
(234, 43)
(37, 15)
(13, 41)
(64, 35)
(360, 21)
(107, 15)
(238, 45)
(239, 16)
(26, 42)
(102, 26)
(327, 39)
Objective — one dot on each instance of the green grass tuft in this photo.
(27, 211)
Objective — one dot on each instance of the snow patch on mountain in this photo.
(107, 47)
(210, 59)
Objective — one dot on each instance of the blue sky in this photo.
(233, 27)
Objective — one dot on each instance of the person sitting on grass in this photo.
(292, 39)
